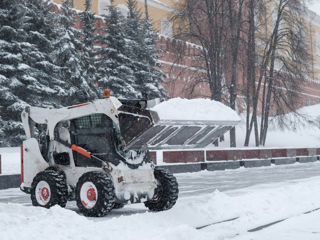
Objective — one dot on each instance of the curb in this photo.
(10, 181)
(13, 181)
(224, 165)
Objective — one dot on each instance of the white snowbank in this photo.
(301, 131)
(254, 206)
(313, 110)
(10, 160)
(195, 109)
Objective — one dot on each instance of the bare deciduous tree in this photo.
(202, 22)
(284, 63)
(216, 26)
(264, 37)
(235, 28)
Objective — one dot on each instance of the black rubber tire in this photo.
(118, 205)
(70, 189)
(106, 195)
(166, 194)
(58, 187)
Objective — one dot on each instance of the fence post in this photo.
(0, 165)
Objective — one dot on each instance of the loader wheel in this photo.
(95, 194)
(49, 188)
(166, 194)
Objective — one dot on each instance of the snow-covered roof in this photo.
(195, 109)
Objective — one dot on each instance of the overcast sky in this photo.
(314, 5)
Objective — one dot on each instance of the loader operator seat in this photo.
(64, 134)
(61, 154)
(94, 133)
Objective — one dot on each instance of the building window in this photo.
(103, 6)
(123, 9)
(274, 17)
(70, 3)
(317, 44)
(166, 28)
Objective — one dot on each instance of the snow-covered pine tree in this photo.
(88, 54)
(113, 64)
(41, 26)
(2, 133)
(144, 54)
(67, 55)
(25, 70)
(150, 55)
(11, 69)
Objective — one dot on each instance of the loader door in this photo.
(94, 133)
(40, 132)
(63, 157)
(62, 154)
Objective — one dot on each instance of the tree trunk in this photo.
(250, 68)
(269, 80)
(235, 28)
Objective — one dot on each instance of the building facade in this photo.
(158, 10)
(186, 80)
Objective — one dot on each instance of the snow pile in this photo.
(301, 130)
(312, 111)
(253, 206)
(195, 109)
(307, 117)
(306, 136)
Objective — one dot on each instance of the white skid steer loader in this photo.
(97, 154)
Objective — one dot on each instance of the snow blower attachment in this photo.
(97, 154)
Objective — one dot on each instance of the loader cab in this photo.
(95, 133)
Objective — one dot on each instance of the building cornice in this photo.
(158, 4)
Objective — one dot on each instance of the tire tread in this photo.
(106, 196)
(170, 192)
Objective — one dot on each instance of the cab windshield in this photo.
(97, 134)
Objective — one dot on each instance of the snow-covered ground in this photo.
(278, 202)
(252, 207)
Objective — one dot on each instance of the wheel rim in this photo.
(43, 193)
(88, 195)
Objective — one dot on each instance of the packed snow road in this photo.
(251, 198)
(196, 184)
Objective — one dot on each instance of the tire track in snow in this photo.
(215, 223)
(259, 228)
(255, 229)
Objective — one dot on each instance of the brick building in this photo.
(184, 77)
